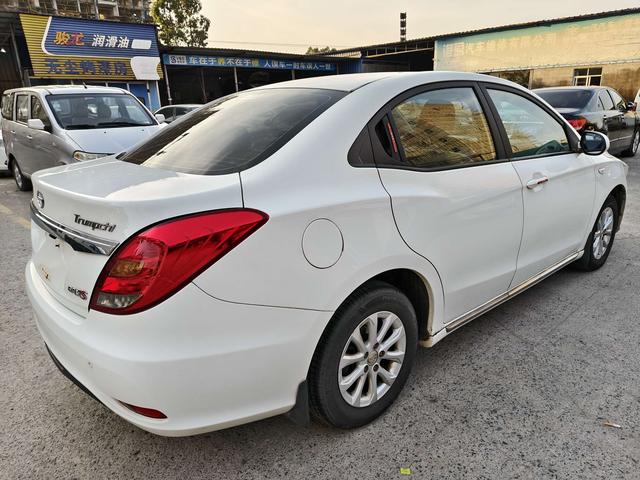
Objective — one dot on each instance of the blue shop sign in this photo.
(85, 38)
(211, 61)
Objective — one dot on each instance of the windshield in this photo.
(234, 132)
(98, 110)
(566, 98)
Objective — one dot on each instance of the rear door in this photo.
(613, 120)
(20, 132)
(558, 184)
(456, 199)
(627, 121)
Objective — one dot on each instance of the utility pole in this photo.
(403, 26)
(95, 5)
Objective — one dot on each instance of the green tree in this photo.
(180, 22)
(315, 50)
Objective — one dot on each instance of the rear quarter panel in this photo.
(308, 179)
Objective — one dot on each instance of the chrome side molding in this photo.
(79, 241)
(494, 302)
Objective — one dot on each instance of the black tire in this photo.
(633, 148)
(22, 182)
(326, 400)
(590, 261)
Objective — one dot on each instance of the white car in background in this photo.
(289, 247)
(47, 126)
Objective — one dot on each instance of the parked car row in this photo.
(47, 126)
(601, 109)
(294, 260)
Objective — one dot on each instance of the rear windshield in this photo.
(101, 110)
(233, 133)
(566, 98)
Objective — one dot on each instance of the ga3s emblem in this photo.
(77, 292)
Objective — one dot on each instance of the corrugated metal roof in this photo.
(513, 26)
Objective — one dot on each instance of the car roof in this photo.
(67, 89)
(352, 81)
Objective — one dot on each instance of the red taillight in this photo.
(578, 123)
(147, 412)
(159, 261)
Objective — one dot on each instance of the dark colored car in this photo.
(601, 109)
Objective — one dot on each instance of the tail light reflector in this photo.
(578, 123)
(147, 412)
(160, 260)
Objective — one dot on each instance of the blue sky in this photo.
(292, 25)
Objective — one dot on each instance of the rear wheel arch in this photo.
(411, 284)
(620, 194)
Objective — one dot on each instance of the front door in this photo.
(43, 151)
(456, 199)
(558, 184)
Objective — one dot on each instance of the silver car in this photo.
(55, 125)
(173, 112)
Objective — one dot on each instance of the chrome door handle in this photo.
(534, 182)
(30, 137)
(13, 132)
(602, 170)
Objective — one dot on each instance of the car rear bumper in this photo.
(206, 364)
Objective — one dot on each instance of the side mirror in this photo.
(631, 106)
(594, 143)
(160, 117)
(36, 124)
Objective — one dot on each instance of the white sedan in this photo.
(287, 248)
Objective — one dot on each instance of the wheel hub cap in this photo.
(372, 359)
(603, 234)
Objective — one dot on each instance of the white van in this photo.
(54, 125)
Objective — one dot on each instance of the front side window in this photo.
(7, 106)
(22, 108)
(233, 133)
(87, 111)
(37, 111)
(531, 130)
(443, 128)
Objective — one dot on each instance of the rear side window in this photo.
(531, 130)
(605, 99)
(7, 106)
(22, 108)
(617, 100)
(233, 133)
(444, 128)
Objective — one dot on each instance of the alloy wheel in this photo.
(17, 174)
(372, 359)
(603, 234)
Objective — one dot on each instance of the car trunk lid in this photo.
(82, 212)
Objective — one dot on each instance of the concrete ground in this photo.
(522, 392)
